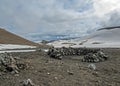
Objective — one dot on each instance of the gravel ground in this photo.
(70, 71)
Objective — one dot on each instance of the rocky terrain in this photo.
(39, 69)
(82, 62)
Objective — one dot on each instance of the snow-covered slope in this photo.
(106, 38)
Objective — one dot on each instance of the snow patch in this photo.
(16, 48)
(13, 46)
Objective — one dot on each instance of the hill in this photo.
(102, 38)
(10, 38)
(108, 28)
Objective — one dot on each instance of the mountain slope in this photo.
(105, 35)
(103, 38)
(108, 28)
(10, 38)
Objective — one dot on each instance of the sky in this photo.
(75, 17)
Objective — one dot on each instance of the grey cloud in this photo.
(52, 16)
(114, 19)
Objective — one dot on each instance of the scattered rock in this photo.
(48, 73)
(92, 66)
(95, 74)
(17, 75)
(56, 78)
(70, 73)
(28, 82)
(0, 74)
(10, 64)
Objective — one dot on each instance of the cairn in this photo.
(89, 55)
(10, 63)
(95, 57)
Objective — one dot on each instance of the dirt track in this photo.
(70, 71)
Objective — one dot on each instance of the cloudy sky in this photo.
(58, 16)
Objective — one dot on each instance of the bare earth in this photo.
(70, 71)
(10, 38)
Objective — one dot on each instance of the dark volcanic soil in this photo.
(70, 71)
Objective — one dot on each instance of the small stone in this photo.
(70, 73)
(95, 74)
(92, 66)
(28, 82)
(0, 74)
(16, 75)
(6, 77)
(56, 78)
(48, 73)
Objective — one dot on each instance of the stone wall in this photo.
(89, 54)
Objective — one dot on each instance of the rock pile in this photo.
(10, 64)
(90, 55)
(71, 51)
(95, 57)
(55, 53)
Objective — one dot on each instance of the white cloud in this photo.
(103, 7)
